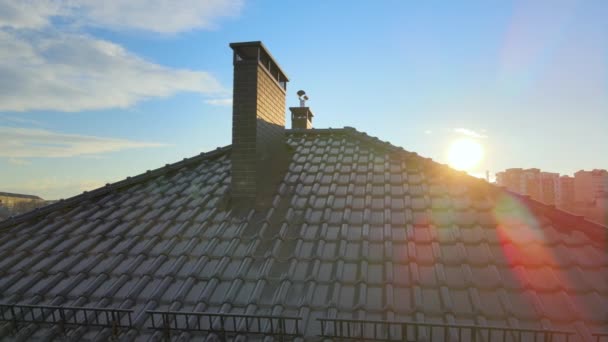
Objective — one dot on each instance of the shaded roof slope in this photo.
(358, 228)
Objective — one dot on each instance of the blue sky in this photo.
(93, 92)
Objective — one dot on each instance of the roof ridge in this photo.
(597, 228)
(535, 203)
(63, 203)
(353, 132)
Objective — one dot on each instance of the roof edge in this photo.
(600, 230)
(129, 181)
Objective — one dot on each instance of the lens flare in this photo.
(529, 247)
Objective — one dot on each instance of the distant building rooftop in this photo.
(9, 194)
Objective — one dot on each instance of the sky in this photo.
(94, 91)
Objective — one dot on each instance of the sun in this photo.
(464, 154)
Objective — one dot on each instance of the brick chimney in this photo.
(301, 117)
(258, 120)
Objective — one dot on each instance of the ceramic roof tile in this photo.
(356, 229)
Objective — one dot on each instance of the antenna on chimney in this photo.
(303, 98)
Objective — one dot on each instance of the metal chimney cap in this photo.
(303, 97)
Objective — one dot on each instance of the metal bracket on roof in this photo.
(66, 316)
(224, 324)
(381, 330)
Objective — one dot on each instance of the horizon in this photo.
(90, 94)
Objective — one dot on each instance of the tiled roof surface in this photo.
(358, 229)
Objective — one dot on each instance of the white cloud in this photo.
(470, 133)
(28, 143)
(50, 66)
(73, 72)
(18, 162)
(220, 102)
(89, 184)
(27, 14)
(162, 16)
(18, 120)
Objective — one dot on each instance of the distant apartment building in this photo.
(597, 211)
(11, 200)
(541, 186)
(549, 187)
(590, 185)
(14, 204)
(518, 180)
(532, 183)
(585, 194)
(565, 193)
(511, 179)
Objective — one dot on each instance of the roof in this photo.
(8, 194)
(357, 229)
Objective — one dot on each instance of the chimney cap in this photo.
(257, 50)
(302, 97)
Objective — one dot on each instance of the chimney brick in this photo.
(258, 118)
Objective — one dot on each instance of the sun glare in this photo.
(464, 154)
